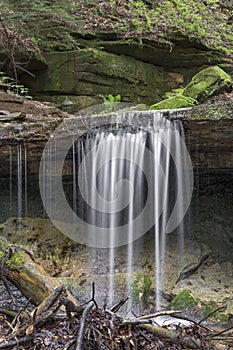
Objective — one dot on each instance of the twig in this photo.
(93, 295)
(69, 344)
(119, 304)
(82, 325)
(21, 310)
(225, 339)
(10, 344)
(160, 313)
(25, 70)
(172, 336)
(210, 314)
(135, 321)
(222, 332)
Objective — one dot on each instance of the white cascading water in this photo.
(162, 137)
(10, 181)
(19, 180)
(22, 180)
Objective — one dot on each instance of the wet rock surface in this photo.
(198, 271)
(208, 129)
(24, 120)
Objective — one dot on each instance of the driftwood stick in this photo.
(29, 277)
(222, 332)
(39, 315)
(93, 295)
(160, 313)
(135, 321)
(118, 305)
(51, 303)
(187, 341)
(172, 336)
(14, 342)
(82, 325)
(71, 307)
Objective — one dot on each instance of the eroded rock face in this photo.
(78, 266)
(34, 120)
(212, 284)
(76, 79)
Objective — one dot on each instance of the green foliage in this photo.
(205, 23)
(17, 89)
(184, 300)
(141, 287)
(53, 25)
(110, 102)
(208, 311)
(10, 257)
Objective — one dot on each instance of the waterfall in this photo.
(10, 181)
(19, 179)
(115, 181)
(22, 181)
(131, 179)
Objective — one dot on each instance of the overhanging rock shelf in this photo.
(208, 132)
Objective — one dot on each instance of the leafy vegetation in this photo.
(17, 89)
(141, 287)
(207, 22)
(28, 28)
(110, 102)
(10, 257)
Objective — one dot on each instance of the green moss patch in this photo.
(10, 256)
(184, 300)
(207, 82)
(178, 101)
(204, 84)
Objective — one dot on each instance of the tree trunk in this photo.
(19, 267)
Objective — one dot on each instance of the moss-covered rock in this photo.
(184, 300)
(204, 84)
(207, 82)
(85, 74)
(174, 102)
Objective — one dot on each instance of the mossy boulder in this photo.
(174, 102)
(204, 84)
(184, 300)
(207, 82)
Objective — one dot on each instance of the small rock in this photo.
(6, 116)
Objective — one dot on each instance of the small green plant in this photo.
(17, 89)
(148, 23)
(141, 288)
(110, 102)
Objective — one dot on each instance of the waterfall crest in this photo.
(131, 181)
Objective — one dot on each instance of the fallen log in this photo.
(190, 342)
(92, 325)
(19, 268)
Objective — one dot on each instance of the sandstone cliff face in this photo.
(143, 73)
(136, 49)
